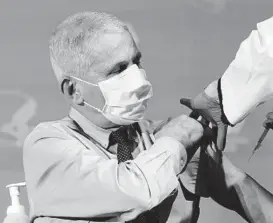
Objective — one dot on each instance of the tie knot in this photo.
(122, 135)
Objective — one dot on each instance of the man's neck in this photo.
(95, 118)
(98, 133)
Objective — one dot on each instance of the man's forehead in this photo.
(112, 48)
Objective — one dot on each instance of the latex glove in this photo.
(208, 106)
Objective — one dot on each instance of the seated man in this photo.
(103, 162)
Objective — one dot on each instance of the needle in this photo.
(261, 139)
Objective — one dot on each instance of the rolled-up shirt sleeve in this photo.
(66, 179)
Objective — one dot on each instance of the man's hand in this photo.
(183, 128)
(208, 106)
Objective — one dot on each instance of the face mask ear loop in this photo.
(97, 109)
(86, 82)
(87, 104)
(103, 109)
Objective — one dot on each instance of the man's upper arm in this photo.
(66, 179)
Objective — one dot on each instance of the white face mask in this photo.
(126, 96)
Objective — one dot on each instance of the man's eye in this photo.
(123, 67)
(119, 69)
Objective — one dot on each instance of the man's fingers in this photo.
(187, 102)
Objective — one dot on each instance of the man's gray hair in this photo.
(71, 43)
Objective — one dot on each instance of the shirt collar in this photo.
(99, 134)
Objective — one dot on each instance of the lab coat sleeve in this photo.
(248, 81)
(66, 179)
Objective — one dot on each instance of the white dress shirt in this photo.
(70, 175)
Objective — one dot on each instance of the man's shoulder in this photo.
(49, 129)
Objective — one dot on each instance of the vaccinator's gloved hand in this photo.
(208, 106)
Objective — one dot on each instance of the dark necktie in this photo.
(124, 138)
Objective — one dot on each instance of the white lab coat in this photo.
(248, 81)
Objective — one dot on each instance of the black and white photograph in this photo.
(147, 111)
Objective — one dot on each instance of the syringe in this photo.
(268, 124)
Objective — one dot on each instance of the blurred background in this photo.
(185, 44)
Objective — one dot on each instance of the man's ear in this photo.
(67, 88)
(70, 90)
